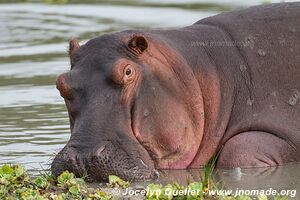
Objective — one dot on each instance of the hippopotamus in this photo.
(144, 100)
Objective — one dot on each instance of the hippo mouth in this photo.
(111, 160)
(97, 165)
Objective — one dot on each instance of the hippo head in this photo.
(134, 107)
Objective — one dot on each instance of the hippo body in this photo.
(171, 99)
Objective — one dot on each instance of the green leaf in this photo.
(116, 181)
(3, 191)
(62, 196)
(167, 192)
(195, 190)
(4, 181)
(74, 190)
(64, 178)
(262, 197)
(6, 172)
(153, 191)
(18, 170)
(41, 182)
(244, 197)
(99, 195)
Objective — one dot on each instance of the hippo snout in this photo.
(102, 161)
(68, 159)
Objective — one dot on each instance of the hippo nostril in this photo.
(70, 155)
(68, 159)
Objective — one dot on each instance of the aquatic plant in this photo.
(115, 181)
(15, 183)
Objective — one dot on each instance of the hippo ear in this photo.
(138, 44)
(73, 47)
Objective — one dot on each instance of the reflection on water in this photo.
(275, 178)
(33, 43)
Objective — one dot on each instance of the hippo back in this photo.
(267, 39)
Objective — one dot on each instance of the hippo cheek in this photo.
(183, 151)
(168, 134)
(180, 159)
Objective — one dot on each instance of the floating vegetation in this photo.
(115, 181)
(15, 183)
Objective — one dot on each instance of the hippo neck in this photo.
(213, 64)
(190, 91)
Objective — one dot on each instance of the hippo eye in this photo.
(128, 71)
(124, 73)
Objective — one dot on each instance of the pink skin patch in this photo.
(182, 157)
